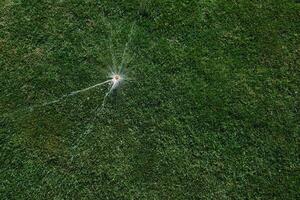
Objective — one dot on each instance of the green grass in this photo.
(212, 111)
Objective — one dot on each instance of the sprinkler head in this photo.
(117, 77)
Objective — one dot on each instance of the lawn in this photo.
(210, 108)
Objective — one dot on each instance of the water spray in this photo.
(115, 80)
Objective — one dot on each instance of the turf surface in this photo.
(211, 111)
